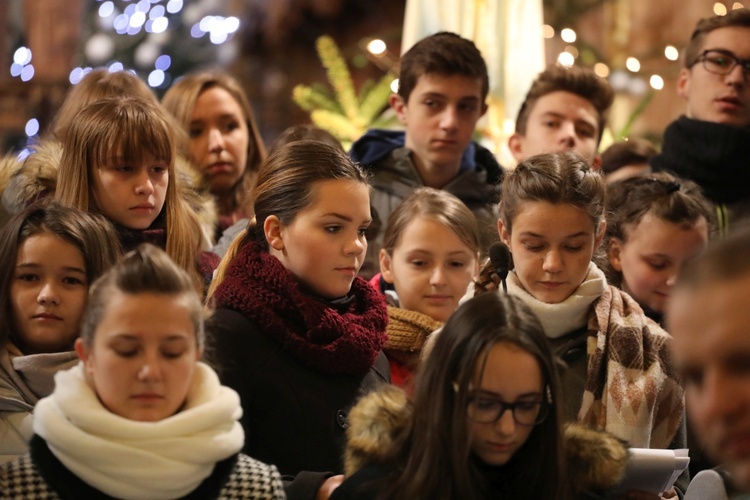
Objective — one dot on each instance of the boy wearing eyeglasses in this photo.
(710, 144)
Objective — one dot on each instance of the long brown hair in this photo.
(180, 101)
(433, 451)
(135, 129)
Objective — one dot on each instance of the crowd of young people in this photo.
(360, 343)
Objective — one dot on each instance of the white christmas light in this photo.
(657, 82)
(174, 6)
(376, 47)
(32, 127)
(156, 12)
(156, 78)
(160, 25)
(22, 56)
(566, 59)
(27, 73)
(633, 64)
(106, 9)
(568, 35)
(231, 24)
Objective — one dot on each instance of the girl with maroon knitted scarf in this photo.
(296, 332)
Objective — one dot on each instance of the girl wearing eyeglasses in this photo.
(617, 375)
(484, 421)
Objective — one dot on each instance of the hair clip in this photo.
(672, 186)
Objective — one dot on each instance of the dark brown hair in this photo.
(558, 178)
(307, 132)
(286, 182)
(90, 233)
(634, 151)
(672, 199)
(444, 54)
(734, 18)
(433, 450)
(576, 80)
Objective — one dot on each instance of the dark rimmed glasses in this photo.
(722, 62)
(486, 410)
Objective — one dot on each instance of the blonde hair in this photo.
(180, 101)
(133, 129)
(437, 205)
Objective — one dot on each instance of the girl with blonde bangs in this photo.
(119, 160)
(225, 144)
(429, 258)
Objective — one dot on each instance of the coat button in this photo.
(342, 420)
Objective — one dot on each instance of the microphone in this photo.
(500, 258)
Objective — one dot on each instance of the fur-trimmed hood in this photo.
(24, 181)
(31, 178)
(596, 460)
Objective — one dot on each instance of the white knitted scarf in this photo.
(568, 315)
(129, 459)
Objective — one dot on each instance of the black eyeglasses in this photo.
(487, 410)
(722, 62)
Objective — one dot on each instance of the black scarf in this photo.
(713, 155)
(156, 233)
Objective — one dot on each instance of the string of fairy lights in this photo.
(146, 27)
(153, 21)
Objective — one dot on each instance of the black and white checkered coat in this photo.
(21, 479)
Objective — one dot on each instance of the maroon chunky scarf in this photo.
(333, 339)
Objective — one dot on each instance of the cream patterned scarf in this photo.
(632, 389)
(128, 459)
(569, 315)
